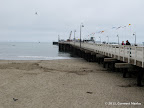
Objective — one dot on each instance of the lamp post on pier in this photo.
(134, 34)
(74, 36)
(100, 39)
(58, 38)
(81, 25)
(118, 39)
(108, 39)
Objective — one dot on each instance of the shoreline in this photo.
(52, 58)
(64, 84)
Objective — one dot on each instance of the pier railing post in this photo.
(128, 54)
(119, 52)
(115, 52)
(135, 55)
(111, 50)
(108, 49)
(123, 52)
(102, 49)
(99, 48)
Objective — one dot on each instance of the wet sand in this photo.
(65, 84)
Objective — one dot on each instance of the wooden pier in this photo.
(55, 43)
(122, 57)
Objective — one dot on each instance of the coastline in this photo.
(64, 83)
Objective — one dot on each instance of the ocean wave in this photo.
(43, 57)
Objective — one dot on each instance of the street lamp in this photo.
(81, 25)
(108, 39)
(134, 34)
(100, 39)
(74, 36)
(118, 39)
(58, 38)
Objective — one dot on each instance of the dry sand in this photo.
(65, 84)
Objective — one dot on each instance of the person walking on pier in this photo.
(129, 48)
(122, 43)
(128, 43)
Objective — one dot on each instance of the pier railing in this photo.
(126, 53)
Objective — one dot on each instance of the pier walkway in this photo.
(126, 53)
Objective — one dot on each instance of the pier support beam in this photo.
(125, 67)
(110, 62)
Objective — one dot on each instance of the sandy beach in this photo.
(72, 83)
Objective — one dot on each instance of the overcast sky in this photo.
(18, 21)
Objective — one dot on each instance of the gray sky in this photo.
(18, 21)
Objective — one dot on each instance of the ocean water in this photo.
(30, 51)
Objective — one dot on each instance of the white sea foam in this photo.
(43, 57)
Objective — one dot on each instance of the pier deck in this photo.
(129, 54)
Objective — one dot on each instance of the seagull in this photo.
(15, 99)
(36, 13)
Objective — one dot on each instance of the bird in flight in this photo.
(36, 13)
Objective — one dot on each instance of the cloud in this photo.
(55, 18)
